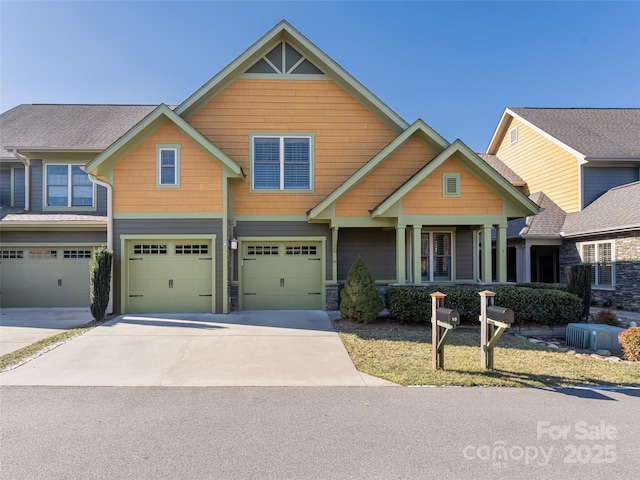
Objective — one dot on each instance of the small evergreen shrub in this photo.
(409, 305)
(630, 343)
(545, 286)
(100, 282)
(579, 283)
(359, 300)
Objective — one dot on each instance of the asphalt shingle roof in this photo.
(617, 209)
(500, 167)
(75, 127)
(547, 223)
(594, 132)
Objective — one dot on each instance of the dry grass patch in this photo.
(403, 355)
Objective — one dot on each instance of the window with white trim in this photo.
(281, 163)
(68, 186)
(168, 165)
(436, 257)
(600, 256)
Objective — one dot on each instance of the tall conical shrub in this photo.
(359, 298)
(100, 282)
(579, 283)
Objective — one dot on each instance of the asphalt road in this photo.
(317, 432)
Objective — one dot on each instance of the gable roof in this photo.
(67, 127)
(500, 167)
(118, 149)
(595, 133)
(616, 210)
(283, 31)
(479, 167)
(419, 128)
(547, 223)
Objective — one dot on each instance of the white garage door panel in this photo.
(45, 277)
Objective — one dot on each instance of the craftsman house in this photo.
(256, 192)
(582, 167)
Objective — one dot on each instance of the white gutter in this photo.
(27, 178)
(109, 188)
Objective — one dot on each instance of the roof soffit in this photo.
(283, 31)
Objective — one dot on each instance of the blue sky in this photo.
(456, 65)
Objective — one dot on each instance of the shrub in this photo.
(100, 282)
(630, 343)
(579, 283)
(359, 298)
(545, 286)
(544, 306)
(408, 304)
(607, 317)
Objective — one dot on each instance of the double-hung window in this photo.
(600, 256)
(436, 257)
(281, 162)
(168, 165)
(68, 186)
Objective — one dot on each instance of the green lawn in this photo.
(403, 355)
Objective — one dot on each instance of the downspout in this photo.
(27, 178)
(109, 188)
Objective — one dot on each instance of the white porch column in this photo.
(417, 254)
(401, 254)
(501, 253)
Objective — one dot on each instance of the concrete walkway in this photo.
(268, 348)
(21, 327)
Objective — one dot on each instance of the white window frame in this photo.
(282, 138)
(596, 270)
(513, 136)
(176, 166)
(431, 234)
(69, 205)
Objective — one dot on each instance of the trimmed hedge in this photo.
(545, 286)
(536, 305)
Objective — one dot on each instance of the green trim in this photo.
(283, 31)
(226, 251)
(176, 148)
(156, 215)
(124, 263)
(105, 161)
(361, 222)
(477, 166)
(284, 76)
(65, 209)
(419, 128)
(50, 244)
(445, 185)
(310, 135)
(270, 218)
(452, 220)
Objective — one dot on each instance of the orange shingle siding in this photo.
(384, 180)
(475, 197)
(545, 166)
(346, 134)
(134, 178)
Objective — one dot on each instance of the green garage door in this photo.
(170, 276)
(282, 276)
(45, 277)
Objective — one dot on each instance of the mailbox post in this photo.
(491, 317)
(443, 321)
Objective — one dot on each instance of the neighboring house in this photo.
(582, 166)
(256, 192)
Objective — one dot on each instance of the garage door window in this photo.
(77, 254)
(12, 254)
(262, 250)
(154, 249)
(302, 250)
(192, 249)
(43, 254)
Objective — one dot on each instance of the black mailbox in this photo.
(500, 314)
(447, 315)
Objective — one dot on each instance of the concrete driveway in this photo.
(21, 327)
(274, 348)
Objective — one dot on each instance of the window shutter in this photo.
(451, 184)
